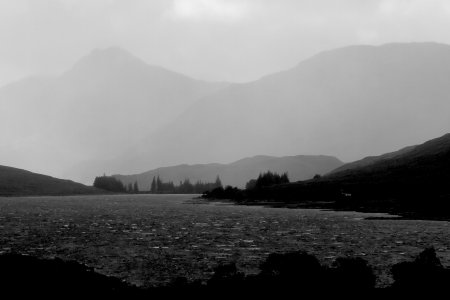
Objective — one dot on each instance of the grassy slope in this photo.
(17, 182)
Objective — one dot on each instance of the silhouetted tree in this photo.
(251, 184)
(267, 179)
(153, 186)
(158, 185)
(135, 187)
(218, 182)
(109, 183)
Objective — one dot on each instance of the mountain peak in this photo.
(111, 52)
(107, 58)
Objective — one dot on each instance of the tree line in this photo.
(253, 189)
(157, 186)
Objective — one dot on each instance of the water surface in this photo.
(151, 239)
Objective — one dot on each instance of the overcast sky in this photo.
(233, 40)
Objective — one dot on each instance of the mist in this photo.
(93, 87)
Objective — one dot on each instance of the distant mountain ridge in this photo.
(412, 182)
(350, 102)
(112, 113)
(102, 106)
(17, 182)
(238, 173)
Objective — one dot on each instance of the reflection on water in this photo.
(150, 239)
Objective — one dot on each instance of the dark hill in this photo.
(17, 182)
(428, 163)
(412, 182)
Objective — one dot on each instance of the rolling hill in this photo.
(300, 167)
(17, 182)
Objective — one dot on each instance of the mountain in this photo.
(107, 102)
(17, 182)
(371, 160)
(424, 167)
(300, 167)
(350, 102)
(411, 182)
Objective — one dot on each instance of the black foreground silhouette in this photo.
(279, 272)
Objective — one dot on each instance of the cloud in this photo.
(235, 40)
(215, 10)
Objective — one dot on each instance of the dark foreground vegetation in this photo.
(413, 182)
(279, 272)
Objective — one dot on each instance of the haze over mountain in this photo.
(112, 113)
(17, 182)
(238, 173)
(105, 103)
(350, 102)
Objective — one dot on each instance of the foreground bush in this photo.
(294, 271)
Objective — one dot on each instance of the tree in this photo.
(267, 179)
(153, 186)
(251, 184)
(159, 184)
(218, 182)
(109, 183)
(130, 188)
(135, 187)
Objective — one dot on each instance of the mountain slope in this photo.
(108, 101)
(238, 173)
(371, 160)
(412, 182)
(17, 182)
(350, 102)
(420, 167)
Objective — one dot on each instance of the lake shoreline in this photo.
(331, 206)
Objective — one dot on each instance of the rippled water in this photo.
(151, 239)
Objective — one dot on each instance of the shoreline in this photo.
(331, 206)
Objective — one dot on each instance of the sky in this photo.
(220, 40)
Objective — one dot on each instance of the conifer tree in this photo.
(153, 186)
(218, 182)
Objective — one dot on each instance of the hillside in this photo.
(17, 182)
(424, 168)
(412, 182)
(352, 102)
(300, 167)
(370, 160)
(107, 102)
